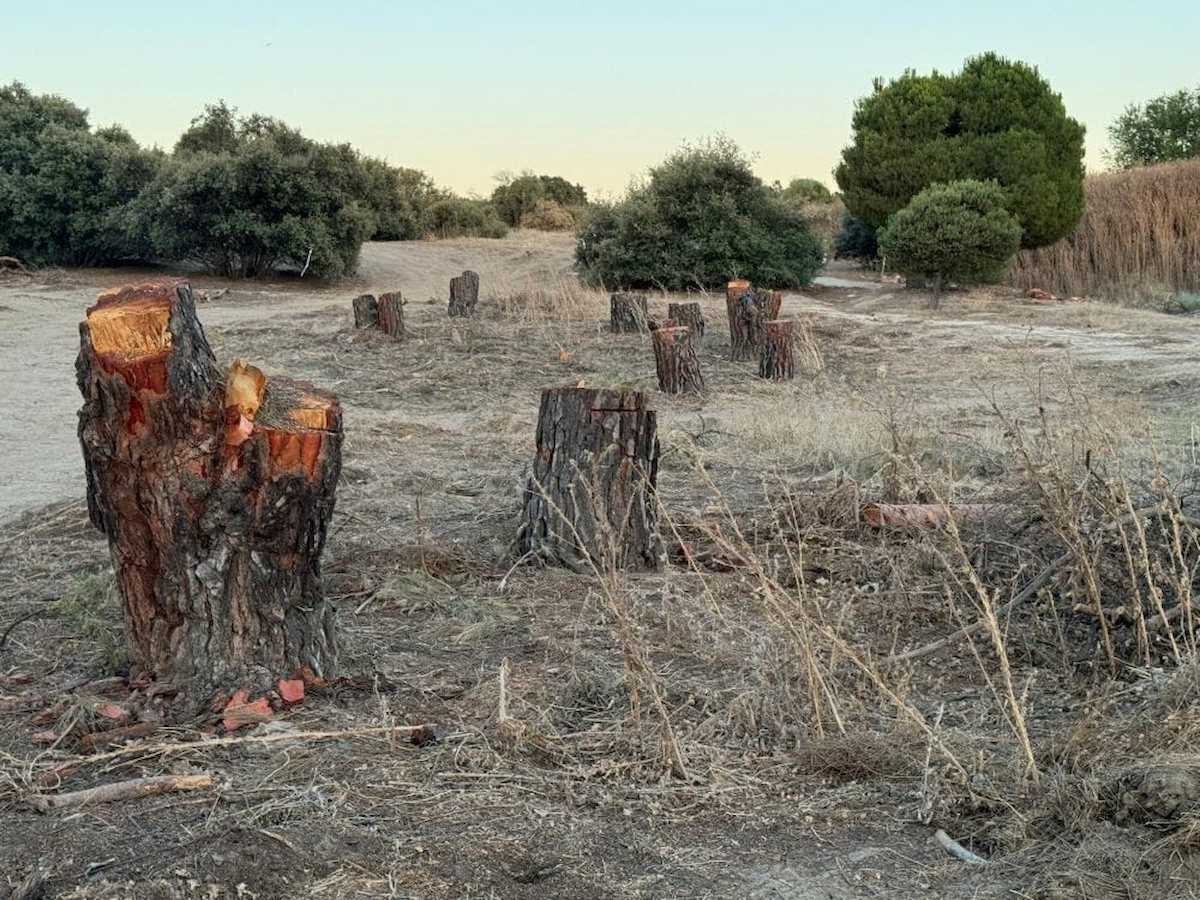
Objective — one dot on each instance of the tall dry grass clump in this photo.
(1139, 238)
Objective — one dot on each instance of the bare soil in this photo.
(569, 797)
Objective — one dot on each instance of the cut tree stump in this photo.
(748, 314)
(366, 311)
(628, 313)
(675, 360)
(391, 314)
(690, 315)
(464, 294)
(215, 494)
(590, 502)
(776, 359)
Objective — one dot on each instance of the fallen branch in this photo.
(98, 740)
(134, 789)
(920, 515)
(957, 850)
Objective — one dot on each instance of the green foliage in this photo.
(959, 231)
(516, 198)
(996, 120)
(806, 190)
(856, 240)
(702, 218)
(460, 217)
(1164, 129)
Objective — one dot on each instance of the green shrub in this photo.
(1164, 129)
(548, 215)
(701, 218)
(959, 231)
(996, 120)
(460, 217)
(806, 190)
(515, 198)
(856, 240)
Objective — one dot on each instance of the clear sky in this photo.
(596, 92)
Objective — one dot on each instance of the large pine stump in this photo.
(391, 314)
(690, 315)
(776, 359)
(748, 314)
(590, 502)
(628, 313)
(366, 311)
(464, 294)
(675, 360)
(215, 494)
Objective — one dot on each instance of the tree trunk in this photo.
(215, 494)
(675, 359)
(366, 311)
(590, 503)
(775, 356)
(690, 315)
(628, 313)
(391, 314)
(464, 294)
(748, 314)
(935, 298)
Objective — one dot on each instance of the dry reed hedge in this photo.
(1140, 236)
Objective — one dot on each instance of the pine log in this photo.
(215, 493)
(690, 315)
(391, 314)
(366, 311)
(590, 503)
(675, 360)
(748, 314)
(464, 294)
(776, 359)
(628, 313)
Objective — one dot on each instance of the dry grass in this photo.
(1139, 241)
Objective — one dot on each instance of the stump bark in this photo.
(215, 492)
(628, 313)
(464, 294)
(748, 314)
(690, 315)
(391, 314)
(590, 501)
(776, 359)
(675, 360)
(366, 311)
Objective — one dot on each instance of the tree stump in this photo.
(690, 315)
(775, 356)
(590, 502)
(748, 314)
(464, 294)
(215, 494)
(675, 360)
(628, 313)
(391, 314)
(366, 311)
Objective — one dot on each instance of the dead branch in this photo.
(957, 850)
(133, 789)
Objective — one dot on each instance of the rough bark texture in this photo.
(628, 313)
(690, 315)
(366, 311)
(215, 494)
(675, 360)
(391, 314)
(464, 294)
(590, 501)
(748, 314)
(775, 356)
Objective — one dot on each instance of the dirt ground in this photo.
(812, 771)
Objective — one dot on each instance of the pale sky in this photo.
(464, 90)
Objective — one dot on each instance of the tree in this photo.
(1164, 129)
(806, 190)
(996, 120)
(701, 218)
(959, 231)
(515, 198)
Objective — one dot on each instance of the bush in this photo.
(856, 240)
(1165, 129)
(459, 217)
(959, 231)
(995, 121)
(515, 198)
(806, 190)
(701, 218)
(547, 215)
